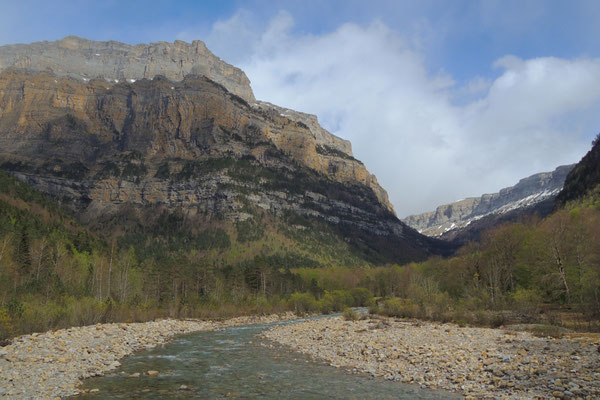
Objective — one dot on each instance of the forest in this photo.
(54, 273)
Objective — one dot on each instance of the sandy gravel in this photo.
(477, 362)
(52, 364)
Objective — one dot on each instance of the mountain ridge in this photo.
(112, 60)
(101, 146)
(528, 192)
(584, 178)
(123, 63)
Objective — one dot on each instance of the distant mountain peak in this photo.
(528, 192)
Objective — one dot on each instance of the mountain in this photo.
(23, 208)
(466, 219)
(584, 178)
(114, 61)
(137, 139)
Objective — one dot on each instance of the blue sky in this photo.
(462, 37)
(441, 99)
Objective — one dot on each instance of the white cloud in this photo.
(427, 140)
(234, 38)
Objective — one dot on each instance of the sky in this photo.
(441, 100)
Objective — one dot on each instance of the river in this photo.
(236, 363)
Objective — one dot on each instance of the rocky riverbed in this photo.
(52, 364)
(476, 362)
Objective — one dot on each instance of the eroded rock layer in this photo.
(99, 146)
(115, 61)
(525, 195)
(111, 129)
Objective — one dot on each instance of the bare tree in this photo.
(39, 248)
(556, 231)
(110, 265)
(4, 248)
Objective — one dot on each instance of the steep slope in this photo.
(467, 218)
(115, 62)
(29, 223)
(584, 178)
(21, 206)
(132, 151)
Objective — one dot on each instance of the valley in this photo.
(145, 193)
(466, 219)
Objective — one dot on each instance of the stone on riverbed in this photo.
(477, 362)
(51, 364)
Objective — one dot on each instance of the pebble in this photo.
(476, 362)
(52, 364)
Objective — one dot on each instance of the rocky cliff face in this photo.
(99, 145)
(584, 178)
(107, 64)
(529, 192)
(115, 61)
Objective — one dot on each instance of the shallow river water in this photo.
(236, 363)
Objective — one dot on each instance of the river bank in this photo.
(476, 362)
(52, 364)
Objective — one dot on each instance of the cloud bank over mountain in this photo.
(429, 138)
(441, 100)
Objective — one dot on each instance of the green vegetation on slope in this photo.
(584, 179)
(54, 273)
(519, 271)
(150, 263)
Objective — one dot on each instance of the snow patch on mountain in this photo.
(458, 215)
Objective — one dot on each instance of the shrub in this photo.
(303, 302)
(131, 170)
(547, 331)
(526, 302)
(211, 238)
(498, 319)
(438, 307)
(401, 308)
(39, 316)
(109, 170)
(85, 311)
(477, 300)
(336, 301)
(163, 171)
(325, 306)
(333, 152)
(15, 308)
(350, 315)
(361, 297)
(249, 230)
(374, 309)
(6, 326)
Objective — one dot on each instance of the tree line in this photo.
(53, 273)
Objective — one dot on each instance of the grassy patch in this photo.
(552, 331)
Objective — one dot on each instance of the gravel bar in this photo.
(51, 365)
(476, 362)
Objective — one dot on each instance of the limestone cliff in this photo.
(115, 61)
(190, 145)
(526, 193)
(98, 66)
